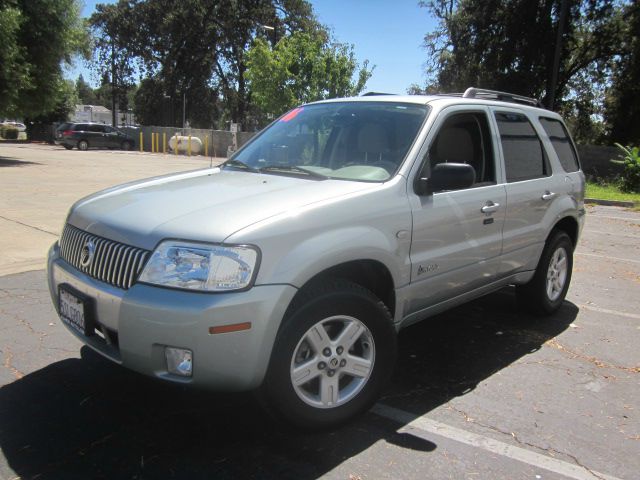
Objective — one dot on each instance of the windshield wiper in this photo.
(240, 164)
(293, 169)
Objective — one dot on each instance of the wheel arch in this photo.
(368, 273)
(570, 226)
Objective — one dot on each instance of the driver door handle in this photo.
(490, 207)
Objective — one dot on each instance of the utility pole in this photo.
(114, 122)
(551, 94)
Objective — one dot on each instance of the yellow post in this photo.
(153, 142)
(141, 143)
(206, 146)
(164, 142)
(157, 142)
(189, 146)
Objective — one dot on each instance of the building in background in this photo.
(100, 114)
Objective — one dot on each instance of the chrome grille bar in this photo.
(114, 263)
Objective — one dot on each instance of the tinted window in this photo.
(464, 138)
(81, 127)
(96, 128)
(522, 149)
(561, 144)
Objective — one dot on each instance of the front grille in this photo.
(115, 263)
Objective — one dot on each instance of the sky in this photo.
(388, 33)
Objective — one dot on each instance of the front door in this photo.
(457, 235)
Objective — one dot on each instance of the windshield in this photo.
(363, 141)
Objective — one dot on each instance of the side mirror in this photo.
(447, 176)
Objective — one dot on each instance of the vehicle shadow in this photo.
(87, 418)
(14, 162)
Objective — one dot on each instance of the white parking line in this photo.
(424, 424)
(607, 257)
(610, 312)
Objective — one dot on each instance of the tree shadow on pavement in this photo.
(88, 418)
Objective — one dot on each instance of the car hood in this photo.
(205, 205)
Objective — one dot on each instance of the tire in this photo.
(338, 378)
(68, 147)
(127, 146)
(83, 145)
(545, 292)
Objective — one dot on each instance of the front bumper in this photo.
(138, 324)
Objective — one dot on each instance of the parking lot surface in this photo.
(480, 392)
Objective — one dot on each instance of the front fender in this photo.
(329, 249)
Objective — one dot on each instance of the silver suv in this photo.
(290, 268)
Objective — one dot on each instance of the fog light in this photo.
(179, 361)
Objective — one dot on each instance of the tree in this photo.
(86, 95)
(194, 45)
(622, 106)
(302, 68)
(512, 44)
(36, 37)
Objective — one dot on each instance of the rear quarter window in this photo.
(562, 144)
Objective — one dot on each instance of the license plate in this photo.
(73, 311)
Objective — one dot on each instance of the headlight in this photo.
(194, 266)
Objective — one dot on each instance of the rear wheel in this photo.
(83, 145)
(332, 356)
(547, 289)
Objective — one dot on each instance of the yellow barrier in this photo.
(153, 142)
(141, 143)
(189, 146)
(157, 143)
(164, 142)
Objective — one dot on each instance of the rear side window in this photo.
(561, 144)
(524, 157)
(81, 127)
(96, 128)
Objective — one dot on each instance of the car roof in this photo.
(441, 100)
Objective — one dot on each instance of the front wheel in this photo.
(332, 356)
(547, 289)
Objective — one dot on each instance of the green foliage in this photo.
(193, 48)
(302, 68)
(630, 159)
(37, 37)
(622, 106)
(9, 132)
(510, 45)
(86, 95)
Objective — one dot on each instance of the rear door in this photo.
(457, 235)
(531, 188)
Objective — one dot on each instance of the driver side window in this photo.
(464, 138)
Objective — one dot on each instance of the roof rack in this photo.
(481, 93)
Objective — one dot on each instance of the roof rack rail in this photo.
(373, 94)
(473, 92)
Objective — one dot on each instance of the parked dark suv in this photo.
(92, 135)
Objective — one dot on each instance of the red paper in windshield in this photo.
(292, 114)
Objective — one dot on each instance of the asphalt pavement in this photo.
(481, 392)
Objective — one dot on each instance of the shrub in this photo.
(9, 132)
(630, 159)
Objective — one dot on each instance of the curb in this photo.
(610, 203)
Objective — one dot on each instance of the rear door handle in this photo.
(548, 195)
(490, 207)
